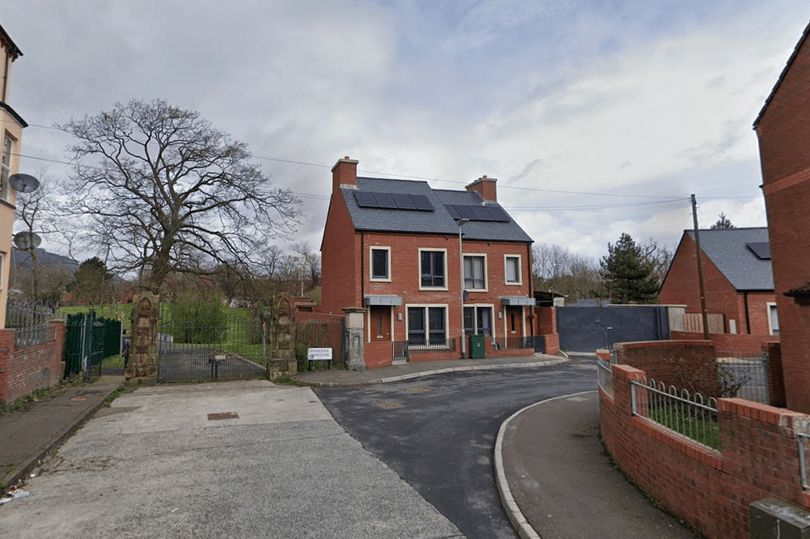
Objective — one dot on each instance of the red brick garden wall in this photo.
(711, 490)
(24, 371)
(729, 345)
(684, 364)
(378, 354)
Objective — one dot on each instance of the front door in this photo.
(380, 324)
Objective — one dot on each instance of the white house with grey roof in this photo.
(426, 266)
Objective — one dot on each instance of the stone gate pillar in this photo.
(282, 360)
(355, 337)
(143, 351)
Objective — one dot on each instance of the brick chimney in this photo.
(485, 187)
(344, 173)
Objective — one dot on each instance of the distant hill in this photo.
(21, 260)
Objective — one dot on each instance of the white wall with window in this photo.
(380, 266)
(427, 325)
(475, 272)
(433, 269)
(512, 270)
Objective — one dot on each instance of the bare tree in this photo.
(556, 269)
(34, 213)
(166, 192)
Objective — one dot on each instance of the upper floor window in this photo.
(432, 269)
(475, 272)
(512, 269)
(380, 263)
(5, 165)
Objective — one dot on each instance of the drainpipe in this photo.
(5, 77)
(363, 269)
(747, 318)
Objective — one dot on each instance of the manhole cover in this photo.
(223, 415)
(388, 405)
(418, 390)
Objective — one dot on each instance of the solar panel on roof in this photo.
(481, 213)
(385, 200)
(466, 212)
(403, 201)
(452, 211)
(365, 199)
(498, 214)
(421, 202)
(761, 249)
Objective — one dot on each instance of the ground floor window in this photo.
(427, 325)
(478, 321)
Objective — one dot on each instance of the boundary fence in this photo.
(30, 323)
(677, 410)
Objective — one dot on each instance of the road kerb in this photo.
(516, 516)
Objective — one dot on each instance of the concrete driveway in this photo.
(154, 465)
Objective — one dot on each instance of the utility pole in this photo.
(698, 252)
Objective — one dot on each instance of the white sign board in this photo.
(319, 354)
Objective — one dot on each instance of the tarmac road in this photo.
(154, 465)
(438, 433)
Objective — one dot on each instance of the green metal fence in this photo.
(88, 340)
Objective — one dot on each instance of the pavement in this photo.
(552, 472)
(29, 434)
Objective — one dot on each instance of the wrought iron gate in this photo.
(233, 347)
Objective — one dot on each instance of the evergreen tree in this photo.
(723, 223)
(628, 275)
(91, 282)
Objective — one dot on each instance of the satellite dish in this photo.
(23, 183)
(25, 241)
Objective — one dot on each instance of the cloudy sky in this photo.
(596, 117)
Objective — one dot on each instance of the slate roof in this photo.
(437, 221)
(728, 250)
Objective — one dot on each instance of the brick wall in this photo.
(378, 354)
(708, 489)
(684, 364)
(730, 345)
(783, 131)
(36, 367)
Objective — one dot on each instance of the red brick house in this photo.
(737, 278)
(391, 247)
(783, 130)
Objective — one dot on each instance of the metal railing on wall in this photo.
(744, 376)
(30, 323)
(679, 411)
(604, 376)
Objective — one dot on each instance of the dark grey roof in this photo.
(728, 250)
(437, 221)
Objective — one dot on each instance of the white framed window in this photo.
(5, 165)
(432, 269)
(426, 325)
(512, 270)
(478, 320)
(475, 272)
(773, 318)
(380, 265)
